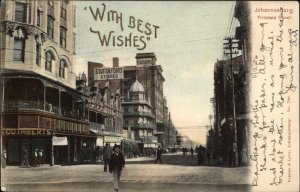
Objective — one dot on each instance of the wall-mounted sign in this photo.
(108, 73)
(26, 132)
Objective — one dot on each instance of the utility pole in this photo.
(228, 45)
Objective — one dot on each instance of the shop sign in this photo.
(26, 132)
(60, 141)
(106, 73)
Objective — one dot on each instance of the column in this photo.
(51, 153)
(69, 150)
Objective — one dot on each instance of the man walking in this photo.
(159, 154)
(106, 155)
(192, 152)
(116, 164)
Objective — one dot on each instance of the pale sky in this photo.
(189, 42)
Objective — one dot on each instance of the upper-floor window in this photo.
(63, 35)
(19, 49)
(63, 9)
(51, 3)
(74, 16)
(48, 63)
(50, 27)
(62, 66)
(20, 12)
(38, 54)
(38, 19)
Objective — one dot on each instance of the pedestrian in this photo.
(40, 157)
(25, 162)
(35, 158)
(207, 155)
(106, 155)
(116, 164)
(4, 159)
(192, 152)
(200, 155)
(159, 153)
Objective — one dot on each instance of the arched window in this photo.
(62, 66)
(49, 58)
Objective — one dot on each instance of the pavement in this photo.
(177, 173)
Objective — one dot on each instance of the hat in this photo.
(115, 146)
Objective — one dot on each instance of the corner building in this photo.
(42, 109)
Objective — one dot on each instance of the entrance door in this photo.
(13, 152)
(40, 144)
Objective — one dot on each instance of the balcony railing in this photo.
(141, 125)
(140, 113)
(97, 126)
(38, 106)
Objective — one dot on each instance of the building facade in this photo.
(150, 76)
(138, 117)
(104, 110)
(41, 108)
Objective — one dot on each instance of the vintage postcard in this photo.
(128, 96)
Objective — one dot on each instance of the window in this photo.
(63, 9)
(49, 58)
(50, 27)
(20, 12)
(62, 66)
(51, 3)
(38, 19)
(38, 54)
(74, 42)
(74, 16)
(135, 109)
(63, 32)
(19, 49)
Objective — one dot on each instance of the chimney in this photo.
(115, 61)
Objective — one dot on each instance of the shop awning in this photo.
(60, 141)
(99, 142)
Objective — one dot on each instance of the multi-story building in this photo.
(224, 105)
(105, 111)
(41, 108)
(149, 75)
(138, 116)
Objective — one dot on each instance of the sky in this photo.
(188, 42)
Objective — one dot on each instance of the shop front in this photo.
(21, 145)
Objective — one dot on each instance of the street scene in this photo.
(115, 96)
(177, 173)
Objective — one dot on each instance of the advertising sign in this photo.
(109, 73)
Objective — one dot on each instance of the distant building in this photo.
(105, 112)
(138, 116)
(150, 77)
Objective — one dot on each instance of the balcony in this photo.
(140, 113)
(38, 106)
(141, 125)
(142, 101)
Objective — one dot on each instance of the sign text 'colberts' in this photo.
(109, 73)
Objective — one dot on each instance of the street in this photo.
(140, 174)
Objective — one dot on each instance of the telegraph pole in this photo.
(228, 45)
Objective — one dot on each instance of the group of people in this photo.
(37, 157)
(201, 151)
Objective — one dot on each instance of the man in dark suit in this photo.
(159, 154)
(116, 164)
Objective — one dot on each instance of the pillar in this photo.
(51, 153)
(69, 150)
